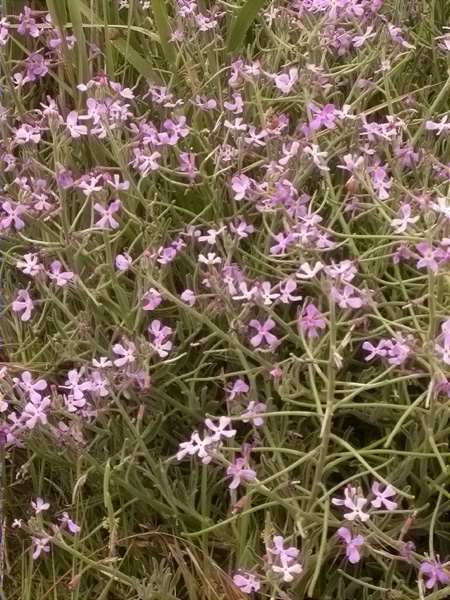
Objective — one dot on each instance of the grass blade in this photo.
(161, 17)
(245, 17)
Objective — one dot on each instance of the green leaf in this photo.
(245, 17)
(159, 8)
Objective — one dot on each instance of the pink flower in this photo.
(13, 216)
(152, 299)
(311, 320)
(35, 413)
(239, 471)
(286, 81)
(246, 582)
(30, 265)
(189, 297)
(285, 563)
(241, 186)
(107, 221)
(73, 126)
(263, 333)
(429, 257)
(354, 502)
(347, 297)
(220, 429)
(238, 387)
(56, 274)
(23, 304)
(31, 387)
(40, 545)
(352, 544)
(126, 352)
(382, 496)
(123, 262)
(66, 521)
(252, 413)
(39, 505)
(435, 572)
(197, 446)
(74, 384)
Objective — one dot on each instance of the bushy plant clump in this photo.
(225, 328)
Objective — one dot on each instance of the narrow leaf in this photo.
(161, 17)
(244, 18)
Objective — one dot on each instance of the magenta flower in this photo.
(382, 496)
(435, 573)
(107, 221)
(352, 544)
(263, 333)
(239, 471)
(246, 582)
(23, 304)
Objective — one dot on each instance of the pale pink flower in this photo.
(353, 544)
(23, 304)
(39, 505)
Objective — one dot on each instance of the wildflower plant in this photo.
(225, 328)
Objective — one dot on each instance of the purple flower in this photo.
(35, 413)
(123, 262)
(197, 446)
(239, 471)
(352, 544)
(286, 81)
(263, 333)
(13, 216)
(354, 502)
(252, 413)
(382, 496)
(246, 582)
(107, 221)
(429, 257)
(40, 545)
(220, 429)
(238, 387)
(152, 299)
(66, 521)
(56, 274)
(126, 352)
(31, 387)
(23, 304)
(435, 573)
(311, 320)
